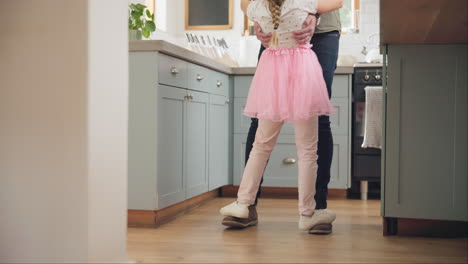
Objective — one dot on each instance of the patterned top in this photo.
(293, 15)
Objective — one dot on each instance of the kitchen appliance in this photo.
(365, 162)
(372, 49)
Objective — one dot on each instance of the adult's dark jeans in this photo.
(325, 46)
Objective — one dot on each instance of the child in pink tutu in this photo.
(288, 86)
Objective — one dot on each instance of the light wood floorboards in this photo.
(198, 237)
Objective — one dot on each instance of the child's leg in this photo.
(265, 140)
(306, 132)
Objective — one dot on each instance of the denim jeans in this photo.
(325, 46)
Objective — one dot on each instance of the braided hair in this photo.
(275, 10)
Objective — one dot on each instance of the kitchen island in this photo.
(424, 166)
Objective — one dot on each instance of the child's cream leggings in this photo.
(306, 133)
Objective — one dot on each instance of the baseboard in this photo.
(424, 227)
(141, 218)
(155, 218)
(280, 192)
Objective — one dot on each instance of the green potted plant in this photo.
(140, 22)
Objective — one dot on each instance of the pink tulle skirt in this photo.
(288, 85)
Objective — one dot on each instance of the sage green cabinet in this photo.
(182, 145)
(195, 143)
(178, 130)
(170, 157)
(425, 151)
(218, 142)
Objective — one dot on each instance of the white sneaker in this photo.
(235, 209)
(320, 217)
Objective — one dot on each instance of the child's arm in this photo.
(325, 6)
(244, 5)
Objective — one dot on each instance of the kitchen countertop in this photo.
(188, 55)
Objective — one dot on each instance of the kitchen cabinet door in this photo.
(195, 143)
(170, 174)
(339, 172)
(218, 142)
(425, 168)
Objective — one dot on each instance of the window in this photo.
(349, 15)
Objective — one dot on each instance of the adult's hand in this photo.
(304, 35)
(263, 37)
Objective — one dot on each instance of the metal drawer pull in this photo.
(228, 101)
(188, 97)
(174, 70)
(199, 77)
(289, 161)
(218, 83)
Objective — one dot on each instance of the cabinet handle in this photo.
(228, 101)
(199, 77)
(189, 97)
(218, 83)
(289, 161)
(174, 70)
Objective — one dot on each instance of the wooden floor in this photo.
(198, 237)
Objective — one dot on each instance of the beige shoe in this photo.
(235, 209)
(321, 221)
(252, 220)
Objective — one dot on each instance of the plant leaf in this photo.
(145, 32)
(135, 15)
(140, 7)
(148, 13)
(150, 26)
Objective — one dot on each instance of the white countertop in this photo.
(188, 55)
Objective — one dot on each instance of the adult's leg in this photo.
(325, 46)
(265, 140)
(306, 134)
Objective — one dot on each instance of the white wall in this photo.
(107, 126)
(63, 114)
(351, 44)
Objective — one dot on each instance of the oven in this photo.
(365, 162)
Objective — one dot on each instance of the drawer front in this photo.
(242, 85)
(218, 83)
(172, 71)
(198, 78)
(340, 86)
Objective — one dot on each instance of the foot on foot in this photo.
(252, 220)
(235, 209)
(319, 223)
